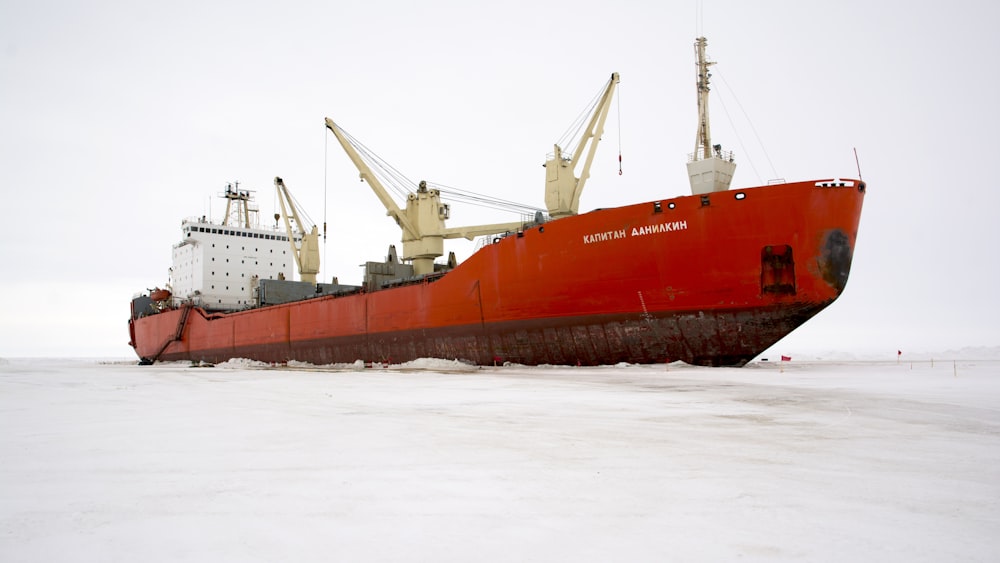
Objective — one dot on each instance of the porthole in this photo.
(671, 205)
(740, 196)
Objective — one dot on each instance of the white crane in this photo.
(562, 186)
(306, 252)
(422, 222)
(423, 219)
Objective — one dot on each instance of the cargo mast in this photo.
(422, 222)
(562, 187)
(710, 169)
(307, 252)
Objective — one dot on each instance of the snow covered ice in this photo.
(438, 461)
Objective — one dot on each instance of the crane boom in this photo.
(474, 231)
(366, 174)
(307, 253)
(423, 219)
(562, 187)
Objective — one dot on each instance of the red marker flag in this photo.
(786, 358)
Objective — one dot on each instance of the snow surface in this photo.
(440, 461)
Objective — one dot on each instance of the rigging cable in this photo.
(473, 198)
(574, 132)
(326, 158)
(752, 128)
(402, 186)
(392, 178)
(619, 100)
(738, 138)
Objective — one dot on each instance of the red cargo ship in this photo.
(713, 278)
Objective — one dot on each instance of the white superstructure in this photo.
(218, 265)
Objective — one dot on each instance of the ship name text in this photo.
(659, 228)
(605, 236)
(655, 228)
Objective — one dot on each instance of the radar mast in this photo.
(710, 169)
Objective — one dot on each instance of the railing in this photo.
(209, 223)
(720, 154)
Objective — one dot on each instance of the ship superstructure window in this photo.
(194, 280)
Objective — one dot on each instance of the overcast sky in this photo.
(122, 118)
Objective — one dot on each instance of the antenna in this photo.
(857, 163)
(699, 18)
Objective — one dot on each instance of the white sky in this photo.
(122, 118)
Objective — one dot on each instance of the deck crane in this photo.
(307, 251)
(422, 222)
(562, 186)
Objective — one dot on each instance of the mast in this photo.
(710, 169)
(703, 139)
(241, 198)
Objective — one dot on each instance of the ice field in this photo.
(437, 461)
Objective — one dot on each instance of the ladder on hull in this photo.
(177, 336)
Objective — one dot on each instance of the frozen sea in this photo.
(437, 461)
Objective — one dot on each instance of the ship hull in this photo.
(710, 280)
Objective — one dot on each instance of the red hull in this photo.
(711, 280)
